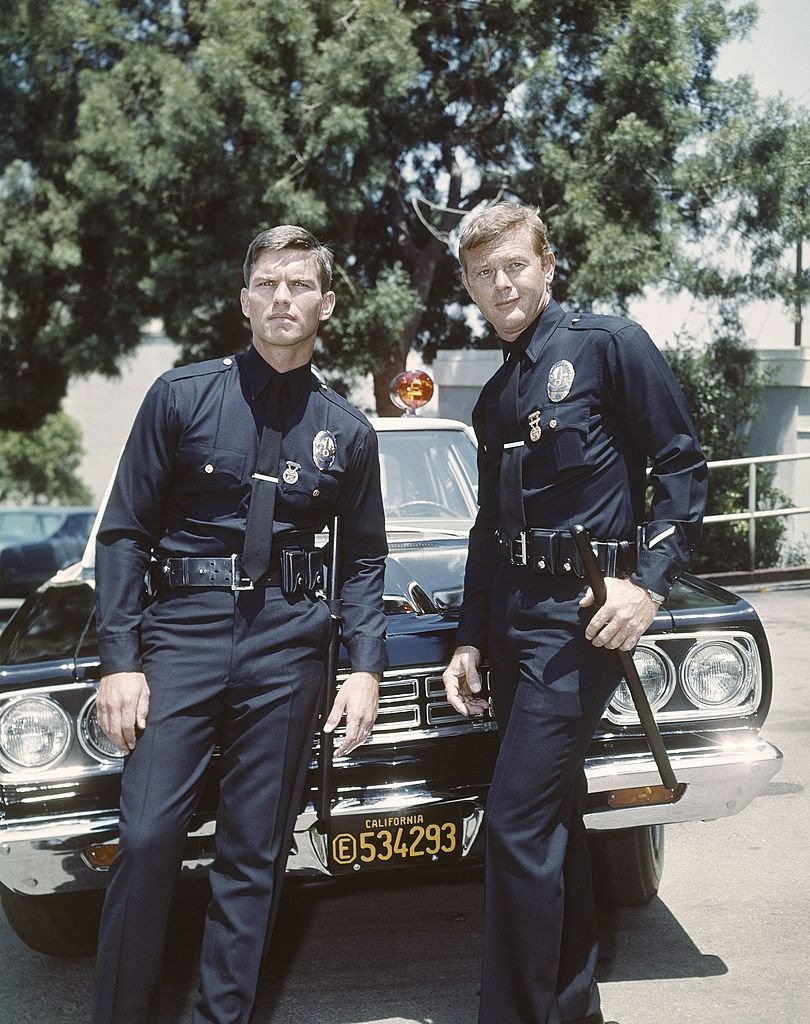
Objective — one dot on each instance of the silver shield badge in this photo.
(324, 449)
(560, 379)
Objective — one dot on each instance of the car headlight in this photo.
(35, 732)
(93, 738)
(657, 677)
(716, 675)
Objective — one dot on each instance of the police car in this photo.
(413, 795)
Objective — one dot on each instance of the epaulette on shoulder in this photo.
(598, 322)
(332, 396)
(202, 369)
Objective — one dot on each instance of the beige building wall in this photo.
(105, 407)
(782, 427)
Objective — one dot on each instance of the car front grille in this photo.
(413, 706)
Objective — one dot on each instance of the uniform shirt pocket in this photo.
(311, 489)
(567, 425)
(216, 473)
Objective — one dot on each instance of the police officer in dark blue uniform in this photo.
(231, 649)
(565, 429)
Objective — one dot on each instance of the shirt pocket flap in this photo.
(568, 425)
(309, 485)
(221, 462)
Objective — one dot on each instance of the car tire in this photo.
(60, 924)
(627, 865)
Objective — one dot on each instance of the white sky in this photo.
(777, 57)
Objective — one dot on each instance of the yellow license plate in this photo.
(382, 841)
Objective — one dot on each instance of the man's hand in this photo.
(122, 706)
(627, 612)
(357, 698)
(462, 681)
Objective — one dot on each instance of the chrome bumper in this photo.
(720, 779)
(44, 855)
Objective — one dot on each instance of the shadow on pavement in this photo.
(402, 949)
(648, 944)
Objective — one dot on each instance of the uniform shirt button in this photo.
(315, 493)
(227, 361)
(552, 424)
(208, 468)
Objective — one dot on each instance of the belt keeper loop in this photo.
(577, 568)
(611, 558)
(545, 552)
(628, 557)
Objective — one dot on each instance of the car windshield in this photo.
(428, 474)
(28, 523)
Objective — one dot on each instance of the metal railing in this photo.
(752, 514)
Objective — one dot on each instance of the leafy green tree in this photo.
(146, 142)
(724, 384)
(39, 466)
(71, 262)
(757, 172)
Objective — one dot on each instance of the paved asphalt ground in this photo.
(725, 942)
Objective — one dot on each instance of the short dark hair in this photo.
(289, 236)
(485, 226)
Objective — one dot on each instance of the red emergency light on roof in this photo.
(411, 389)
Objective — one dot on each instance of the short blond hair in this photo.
(485, 226)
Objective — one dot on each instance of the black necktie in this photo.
(511, 514)
(259, 528)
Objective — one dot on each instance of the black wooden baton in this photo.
(596, 581)
(327, 741)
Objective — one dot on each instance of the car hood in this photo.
(427, 566)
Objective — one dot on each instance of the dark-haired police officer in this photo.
(230, 653)
(565, 429)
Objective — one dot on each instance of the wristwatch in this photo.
(657, 599)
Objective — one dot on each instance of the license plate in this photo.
(385, 840)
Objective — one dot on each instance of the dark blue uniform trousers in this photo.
(550, 687)
(245, 671)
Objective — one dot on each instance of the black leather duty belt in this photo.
(295, 571)
(224, 571)
(553, 553)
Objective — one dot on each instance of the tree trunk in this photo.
(383, 376)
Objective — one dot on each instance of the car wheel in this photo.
(627, 865)
(58, 924)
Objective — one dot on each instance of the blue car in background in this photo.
(37, 541)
